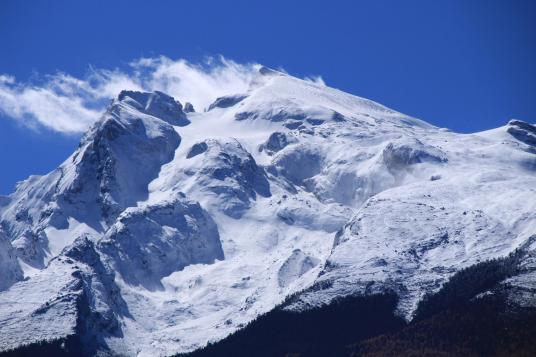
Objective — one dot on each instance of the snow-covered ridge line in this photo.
(169, 228)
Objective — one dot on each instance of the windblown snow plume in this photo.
(68, 104)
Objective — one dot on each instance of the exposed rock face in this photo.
(188, 108)
(522, 131)
(227, 101)
(117, 147)
(158, 105)
(197, 149)
(277, 142)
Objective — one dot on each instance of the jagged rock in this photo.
(522, 131)
(188, 107)
(276, 142)
(156, 104)
(197, 149)
(227, 101)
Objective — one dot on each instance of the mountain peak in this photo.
(194, 224)
(157, 104)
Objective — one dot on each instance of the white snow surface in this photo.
(176, 229)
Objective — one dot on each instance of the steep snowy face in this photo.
(410, 240)
(148, 243)
(74, 297)
(169, 228)
(225, 172)
(109, 171)
(10, 270)
(124, 152)
(477, 204)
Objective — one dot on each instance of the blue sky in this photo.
(466, 65)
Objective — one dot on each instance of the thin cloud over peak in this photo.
(67, 104)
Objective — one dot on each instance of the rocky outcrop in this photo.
(149, 243)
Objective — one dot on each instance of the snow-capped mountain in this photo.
(169, 228)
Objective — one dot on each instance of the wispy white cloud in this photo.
(35, 106)
(67, 104)
(199, 84)
(4, 78)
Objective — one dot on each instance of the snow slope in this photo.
(169, 228)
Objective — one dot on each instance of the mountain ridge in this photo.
(175, 228)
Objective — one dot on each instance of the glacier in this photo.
(169, 228)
